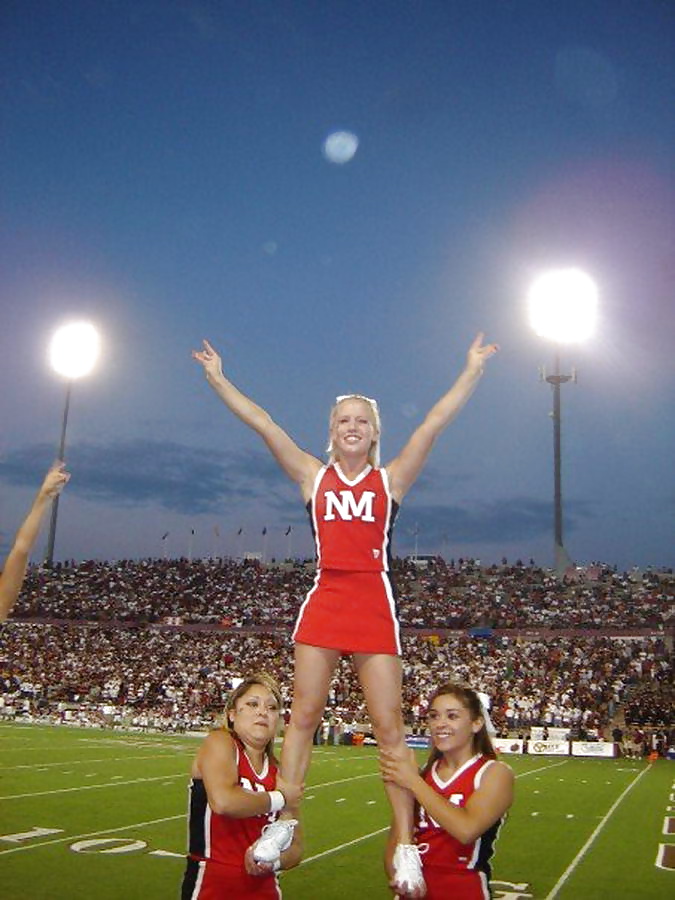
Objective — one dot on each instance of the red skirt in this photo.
(354, 612)
(209, 880)
(444, 883)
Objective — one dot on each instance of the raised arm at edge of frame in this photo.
(489, 803)
(299, 465)
(217, 762)
(16, 563)
(404, 469)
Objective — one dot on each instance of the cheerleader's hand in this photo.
(479, 353)
(400, 770)
(256, 868)
(209, 359)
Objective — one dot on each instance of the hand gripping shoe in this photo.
(274, 839)
(408, 875)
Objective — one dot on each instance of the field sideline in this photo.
(110, 809)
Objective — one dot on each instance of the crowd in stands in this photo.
(156, 643)
(182, 677)
(650, 703)
(518, 596)
(455, 596)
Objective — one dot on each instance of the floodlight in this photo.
(74, 349)
(563, 305)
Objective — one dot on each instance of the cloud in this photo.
(194, 481)
(175, 476)
(502, 521)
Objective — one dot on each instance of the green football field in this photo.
(101, 814)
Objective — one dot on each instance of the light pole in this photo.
(563, 308)
(73, 352)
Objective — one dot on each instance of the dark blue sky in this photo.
(163, 176)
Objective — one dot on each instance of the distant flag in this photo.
(264, 531)
(216, 531)
(239, 532)
(288, 531)
(192, 532)
(165, 535)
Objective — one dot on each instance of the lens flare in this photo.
(340, 147)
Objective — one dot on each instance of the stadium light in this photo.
(73, 352)
(563, 308)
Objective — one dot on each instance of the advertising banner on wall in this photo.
(548, 748)
(508, 745)
(592, 748)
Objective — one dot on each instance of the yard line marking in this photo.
(43, 747)
(91, 787)
(89, 834)
(82, 762)
(580, 855)
(541, 769)
(324, 784)
(343, 846)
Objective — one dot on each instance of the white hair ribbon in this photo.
(484, 701)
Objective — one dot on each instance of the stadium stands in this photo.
(155, 643)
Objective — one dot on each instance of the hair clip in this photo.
(356, 397)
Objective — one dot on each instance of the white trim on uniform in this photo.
(387, 520)
(476, 853)
(392, 609)
(317, 541)
(479, 840)
(305, 602)
(312, 509)
(445, 784)
(201, 871)
(386, 581)
(479, 774)
(265, 766)
(341, 475)
(207, 831)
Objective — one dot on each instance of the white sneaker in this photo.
(274, 838)
(408, 875)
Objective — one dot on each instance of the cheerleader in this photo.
(462, 795)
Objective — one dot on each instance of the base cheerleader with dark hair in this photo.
(462, 795)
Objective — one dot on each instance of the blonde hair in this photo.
(231, 703)
(374, 451)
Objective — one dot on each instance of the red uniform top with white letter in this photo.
(352, 520)
(352, 604)
(224, 839)
(440, 849)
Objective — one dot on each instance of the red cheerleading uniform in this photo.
(352, 605)
(217, 844)
(453, 869)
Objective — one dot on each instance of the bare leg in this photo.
(314, 668)
(380, 677)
